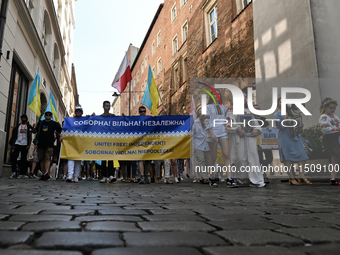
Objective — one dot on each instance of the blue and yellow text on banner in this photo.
(126, 138)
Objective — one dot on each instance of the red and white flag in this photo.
(193, 108)
(123, 75)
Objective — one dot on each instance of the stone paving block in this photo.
(143, 207)
(10, 225)
(319, 210)
(231, 217)
(68, 212)
(258, 237)
(301, 223)
(173, 211)
(246, 224)
(193, 239)
(323, 216)
(3, 216)
(63, 240)
(45, 206)
(268, 250)
(112, 226)
(95, 207)
(148, 251)
(164, 226)
(108, 218)
(38, 252)
(8, 238)
(32, 218)
(271, 210)
(172, 218)
(181, 206)
(20, 211)
(287, 217)
(322, 249)
(52, 226)
(228, 210)
(122, 212)
(314, 235)
(5, 206)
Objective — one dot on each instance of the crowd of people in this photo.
(230, 145)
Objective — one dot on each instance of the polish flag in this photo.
(123, 75)
(193, 108)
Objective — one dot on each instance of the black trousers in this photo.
(107, 171)
(269, 157)
(23, 161)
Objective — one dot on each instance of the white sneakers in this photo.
(13, 175)
(103, 180)
(261, 185)
(23, 176)
(112, 179)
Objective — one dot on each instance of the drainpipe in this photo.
(3, 12)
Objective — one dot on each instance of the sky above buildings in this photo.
(103, 31)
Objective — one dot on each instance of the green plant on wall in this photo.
(314, 136)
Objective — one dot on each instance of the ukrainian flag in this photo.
(51, 107)
(151, 96)
(34, 102)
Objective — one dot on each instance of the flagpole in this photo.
(61, 144)
(134, 95)
(36, 103)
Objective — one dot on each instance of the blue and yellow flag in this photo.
(34, 102)
(151, 96)
(51, 107)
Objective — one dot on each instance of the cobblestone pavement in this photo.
(55, 217)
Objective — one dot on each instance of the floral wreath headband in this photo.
(330, 101)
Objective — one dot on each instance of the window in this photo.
(137, 77)
(174, 45)
(184, 68)
(153, 48)
(184, 32)
(159, 66)
(213, 23)
(159, 38)
(183, 2)
(210, 20)
(154, 71)
(173, 13)
(241, 4)
(175, 78)
(144, 85)
(146, 62)
(142, 67)
(160, 92)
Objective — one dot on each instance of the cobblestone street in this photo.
(55, 217)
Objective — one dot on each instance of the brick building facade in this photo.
(193, 39)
